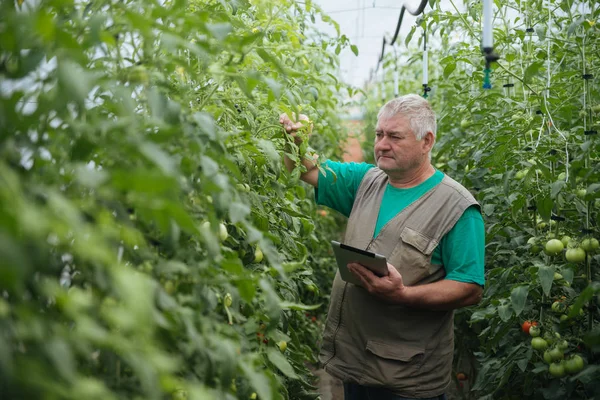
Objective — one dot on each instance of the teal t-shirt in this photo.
(460, 251)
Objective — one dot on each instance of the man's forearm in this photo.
(310, 165)
(441, 295)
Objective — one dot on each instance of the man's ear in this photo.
(428, 141)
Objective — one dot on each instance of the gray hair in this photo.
(418, 110)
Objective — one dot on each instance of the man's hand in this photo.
(441, 295)
(292, 127)
(388, 288)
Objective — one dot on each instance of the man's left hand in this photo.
(388, 288)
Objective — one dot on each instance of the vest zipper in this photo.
(337, 328)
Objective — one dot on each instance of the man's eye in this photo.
(378, 134)
(396, 137)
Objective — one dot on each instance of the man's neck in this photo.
(409, 179)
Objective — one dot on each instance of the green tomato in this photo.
(258, 255)
(170, 287)
(547, 357)
(557, 354)
(465, 123)
(554, 246)
(565, 240)
(557, 276)
(581, 193)
(539, 344)
(223, 234)
(574, 364)
(534, 331)
(590, 244)
(282, 345)
(228, 300)
(557, 370)
(521, 174)
(576, 255)
(558, 307)
(562, 345)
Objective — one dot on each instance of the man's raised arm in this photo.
(311, 176)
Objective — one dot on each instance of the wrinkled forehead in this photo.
(396, 123)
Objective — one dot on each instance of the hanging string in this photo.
(383, 82)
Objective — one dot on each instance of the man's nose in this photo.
(383, 143)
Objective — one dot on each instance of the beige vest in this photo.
(373, 343)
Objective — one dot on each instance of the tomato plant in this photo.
(152, 245)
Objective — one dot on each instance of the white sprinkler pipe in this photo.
(488, 37)
(425, 77)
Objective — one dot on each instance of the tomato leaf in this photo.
(544, 206)
(518, 297)
(281, 363)
(505, 312)
(286, 305)
(258, 381)
(546, 275)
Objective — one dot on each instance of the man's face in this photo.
(396, 147)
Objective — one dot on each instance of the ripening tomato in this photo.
(527, 325)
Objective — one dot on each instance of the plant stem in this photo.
(517, 77)
(208, 96)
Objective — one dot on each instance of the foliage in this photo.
(141, 183)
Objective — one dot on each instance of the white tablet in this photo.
(345, 255)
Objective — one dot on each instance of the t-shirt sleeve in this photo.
(463, 249)
(337, 188)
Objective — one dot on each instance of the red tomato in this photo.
(527, 325)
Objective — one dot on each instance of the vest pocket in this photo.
(423, 243)
(391, 363)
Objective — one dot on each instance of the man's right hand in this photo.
(311, 176)
(292, 127)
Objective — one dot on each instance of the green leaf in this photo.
(354, 49)
(286, 305)
(219, 30)
(518, 297)
(410, 35)
(505, 312)
(155, 154)
(546, 275)
(544, 206)
(258, 381)
(556, 188)
(238, 212)
(449, 69)
(74, 80)
(206, 124)
(247, 288)
(281, 363)
(489, 209)
(531, 71)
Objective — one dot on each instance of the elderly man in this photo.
(393, 337)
